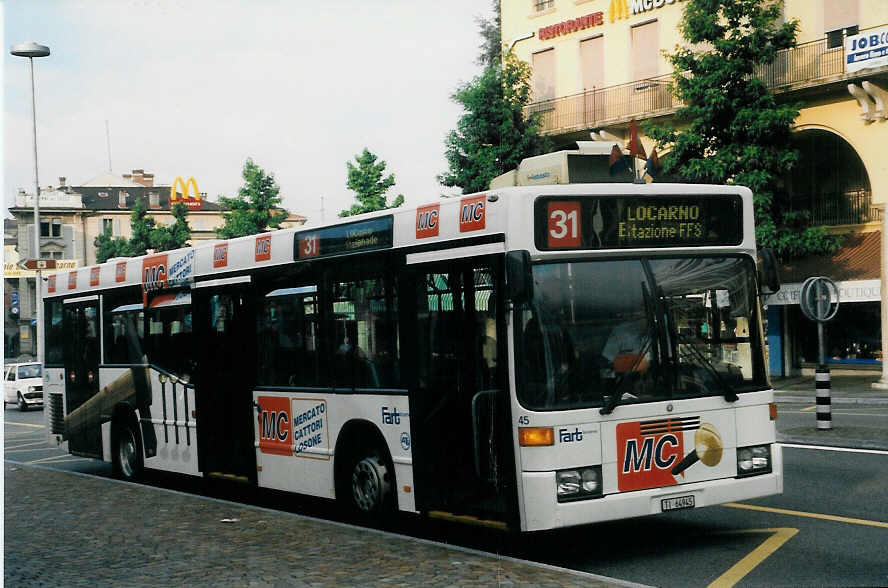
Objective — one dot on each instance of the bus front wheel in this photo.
(371, 484)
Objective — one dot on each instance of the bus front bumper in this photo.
(542, 510)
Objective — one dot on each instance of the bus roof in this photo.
(501, 216)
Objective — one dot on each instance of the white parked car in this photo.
(23, 385)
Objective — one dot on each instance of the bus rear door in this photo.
(225, 327)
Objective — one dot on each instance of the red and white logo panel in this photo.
(263, 248)
(427, 221)
(564, 227)
(275, 425)
(220, 255)
(472, 213)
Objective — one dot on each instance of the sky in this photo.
(194, 88)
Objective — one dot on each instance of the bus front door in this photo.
(224, 325)
(459, 401)
(81, 355)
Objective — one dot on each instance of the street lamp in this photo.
(32, 50)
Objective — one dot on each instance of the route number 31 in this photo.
(564, 227)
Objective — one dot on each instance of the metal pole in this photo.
(882, 384)
(38, 282)
(822, 382)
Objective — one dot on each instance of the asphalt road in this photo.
(828, 528)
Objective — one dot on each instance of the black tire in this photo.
(127, 452)
(22, 405)
(370, 483)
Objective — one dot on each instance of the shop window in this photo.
(853, 336)
(153, 200)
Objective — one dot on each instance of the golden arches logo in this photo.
(191, 202)
(618, 9)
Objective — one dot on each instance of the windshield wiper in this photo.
(617, 396)
(729, 393)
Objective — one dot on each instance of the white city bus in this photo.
(526, 358)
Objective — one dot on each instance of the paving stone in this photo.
(63, 529)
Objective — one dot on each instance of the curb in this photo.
(834, 399)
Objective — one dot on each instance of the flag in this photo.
(617, 161)
(651, 166)
(635, 147)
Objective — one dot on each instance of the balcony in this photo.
(809, 65)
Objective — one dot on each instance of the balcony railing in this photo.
(806, 65)
(848, 208)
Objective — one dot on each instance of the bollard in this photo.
(824, 408)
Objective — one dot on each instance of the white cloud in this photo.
(194, 88)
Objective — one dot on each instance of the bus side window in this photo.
(485, 329)
(289, 335)
(365, 334)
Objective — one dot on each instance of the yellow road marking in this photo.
(809, 408)
(756, 556)
(58, 458)
(19, 447)
(7, 423)
(810, 515)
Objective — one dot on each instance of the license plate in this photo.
(677, 503)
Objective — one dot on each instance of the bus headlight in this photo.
(578, 483)
(753, 460)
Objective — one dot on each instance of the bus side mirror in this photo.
(769, 277)
(519, 282)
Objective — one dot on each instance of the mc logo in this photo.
(154, 273)
(645, 460)
(263, 248)
(472, 214)
(275, 430)
(427, 221)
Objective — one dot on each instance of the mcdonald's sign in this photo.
(618, 9)
(191, 202)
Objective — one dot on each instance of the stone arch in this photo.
(830, 179)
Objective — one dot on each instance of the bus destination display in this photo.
(619, 222)
(339, 239)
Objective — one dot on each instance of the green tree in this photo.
(491, 37)
(175, 235)
(493, 135)
(733, 130)
(141, 226)
(108, 247)
(367, 182)
(255, 208)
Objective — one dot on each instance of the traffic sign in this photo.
(819, 299)
(35, 264)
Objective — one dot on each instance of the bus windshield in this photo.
(603, 333)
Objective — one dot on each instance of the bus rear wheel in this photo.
(371, 484)
(127, 453)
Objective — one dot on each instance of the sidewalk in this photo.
(69, 529)
(846, 392)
